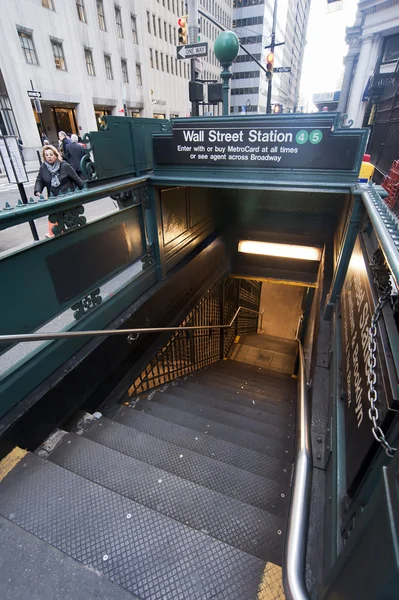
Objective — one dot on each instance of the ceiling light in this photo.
(282, 250)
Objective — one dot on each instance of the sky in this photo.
(325, 47)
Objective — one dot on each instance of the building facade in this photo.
(252, 21)
(89, 58)
(372, 62)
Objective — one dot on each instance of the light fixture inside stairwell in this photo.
(281, 250)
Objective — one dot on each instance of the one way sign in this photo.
(192, 50)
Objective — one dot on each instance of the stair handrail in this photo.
(132, 334)
(294, 561)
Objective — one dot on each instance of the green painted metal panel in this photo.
(123, 146)
(19, 381)
(47, 278)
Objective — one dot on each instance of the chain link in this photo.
(383, 285)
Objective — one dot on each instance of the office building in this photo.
(252, 21)
(89, 58)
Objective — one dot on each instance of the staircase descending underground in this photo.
(182, 495)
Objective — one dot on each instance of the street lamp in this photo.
(226, 48)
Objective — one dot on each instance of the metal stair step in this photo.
(267, 389)
(241, 399)
(169, 424)
(257, 532)
(202, 395)
(145, 552)
(34, 569)
(258, 463)
(259, 374)
(183, 403)
(198, 468)
(285, 405)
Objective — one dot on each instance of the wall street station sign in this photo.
(265, 142)
(357, 307)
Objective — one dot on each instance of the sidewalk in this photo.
(32, 166)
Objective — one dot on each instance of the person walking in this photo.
(45, 140)
(64, 142)
(74, 153)
(56, 175)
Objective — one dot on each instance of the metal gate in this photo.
(185, 352)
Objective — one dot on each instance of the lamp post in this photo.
(226, 48)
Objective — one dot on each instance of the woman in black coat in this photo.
(55, 174)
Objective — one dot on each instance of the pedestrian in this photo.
(21, 149)
(64, 141)
(74, 153)
(45, 140)
(55, 174)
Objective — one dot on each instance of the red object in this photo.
(391, 185)
(366, 157)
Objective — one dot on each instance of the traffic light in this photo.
(182, 29)
(269, 65)
(278, 108)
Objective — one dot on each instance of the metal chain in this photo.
(383, 285)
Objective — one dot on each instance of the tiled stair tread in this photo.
(255, 386)
(34, 569)
(187, 427)
(255, 531)
(258, 373)
(149, 554)
(183, 403)
(284, 403)
(203, 470)
(202, 396)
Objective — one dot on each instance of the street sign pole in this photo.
(193, 32)
(272, 46)
(40, 114)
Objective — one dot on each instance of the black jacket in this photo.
(67, 176)
(73, 154)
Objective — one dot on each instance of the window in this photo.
(101, 16)
(89, 61)
(159, 28)
(125, 75)
(151, 59)
(162, 61)
(58, 54)
(48, 4)
(170, 34)
(134, 29)
(148, 22)
(80, 7)
(171, 65)
(154, 25)
(165, 30)
(167, 63)
(138, 74)
(118, 20)
(156, 59)
(108, 66)
(28, 48)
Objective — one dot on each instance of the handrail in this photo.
(132, 334)
(298, 516)
(386, 227)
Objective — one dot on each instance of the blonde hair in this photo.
(53, 149)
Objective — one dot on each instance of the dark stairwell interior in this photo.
(183, 491)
